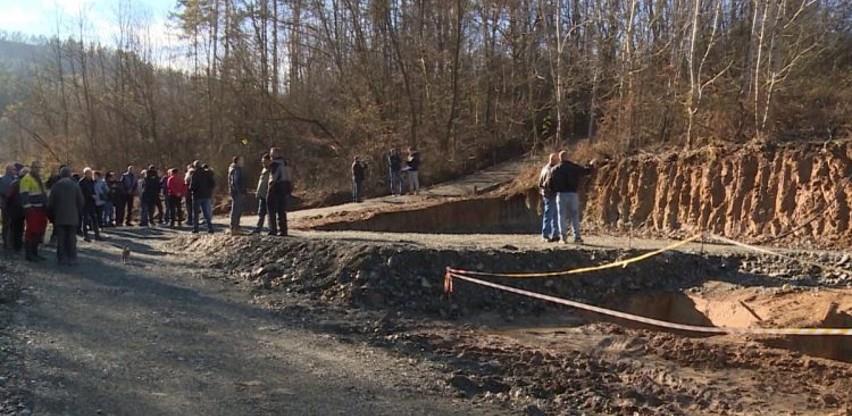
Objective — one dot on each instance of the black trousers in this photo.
(6, 222)
(189, 209)
(175, 209)
(277, 207)
(121, 212)
(128, 210)
(14, 233)
(66, 242)
(90, 220)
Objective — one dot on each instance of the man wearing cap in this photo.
(6, 183)
(34, 200)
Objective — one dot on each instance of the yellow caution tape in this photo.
(619, 263)
(448, 285)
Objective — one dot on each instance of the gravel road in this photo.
(153, 338)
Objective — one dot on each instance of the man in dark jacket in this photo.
(14, 210)
(89, 212)
(237, 191)
(201, 186)
(413, 163)
(5, 184)
(565, 181)
(65, 203)
(126, 193)
(150, 196)
(395, 172)
(359, 174)
(280, 188)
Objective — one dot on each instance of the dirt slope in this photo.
(754, 191)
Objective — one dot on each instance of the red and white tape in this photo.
(448, 286)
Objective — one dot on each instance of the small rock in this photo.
(464, 384)
(830, 400)
(344, 277)
(533, 410)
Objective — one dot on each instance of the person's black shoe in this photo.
(87, 239)
(578, 241)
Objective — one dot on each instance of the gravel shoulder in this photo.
(154, 337)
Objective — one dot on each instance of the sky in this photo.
(62, 17)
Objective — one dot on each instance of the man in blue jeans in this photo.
(548, 197)
(565, 181)
(201, 186)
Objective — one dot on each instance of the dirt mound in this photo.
(396, 275)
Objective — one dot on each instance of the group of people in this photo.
(558, 184)
(80, 204)
(403, 173)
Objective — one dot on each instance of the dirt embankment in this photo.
(501, 348)
(752, 192)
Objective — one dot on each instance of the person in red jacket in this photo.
(176, 190)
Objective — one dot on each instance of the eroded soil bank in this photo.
(797, 194)
(543, 359)
(754, 192)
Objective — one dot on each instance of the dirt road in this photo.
(152, 338)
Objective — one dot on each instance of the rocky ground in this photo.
(537, 359)
(357, 323)
(13, 397)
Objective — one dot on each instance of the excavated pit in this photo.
(487, 215)
(731, 311)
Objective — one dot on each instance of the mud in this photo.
(541, 359)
